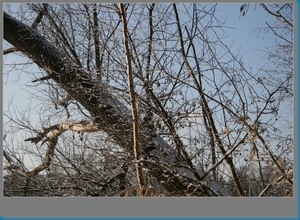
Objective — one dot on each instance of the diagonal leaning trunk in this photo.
(110, 115)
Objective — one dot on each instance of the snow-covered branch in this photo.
(51, 135)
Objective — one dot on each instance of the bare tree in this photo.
(194, 110)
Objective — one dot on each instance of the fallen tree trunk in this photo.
(107, 112)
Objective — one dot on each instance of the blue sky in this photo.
(245, 35)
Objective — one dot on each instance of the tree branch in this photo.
(135, 126)
(110, 115)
